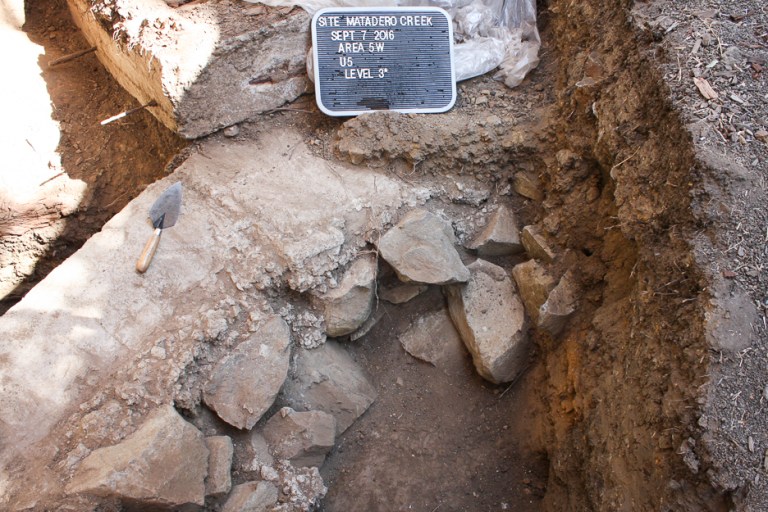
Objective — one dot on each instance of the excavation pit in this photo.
(637, 396)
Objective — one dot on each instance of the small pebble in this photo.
(232, 131)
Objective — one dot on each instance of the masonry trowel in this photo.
(163, 214)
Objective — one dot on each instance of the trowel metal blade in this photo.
(166, 209)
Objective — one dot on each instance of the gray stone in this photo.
(164, 462)
(433, 338)
(491, 321)
(401, 293)
(202, 66)
(219, 479)
(534, 283)
(536, 244)
(560, 305)
(729, 318)
(501, 237)
(421, 248)
(260, 450)
(251, 497)
(347, 307)
(252, 454)
(303, 438)
(327, 379)
(244, 384)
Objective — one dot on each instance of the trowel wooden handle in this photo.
(149, 251)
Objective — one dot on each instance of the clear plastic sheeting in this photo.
(489, 34)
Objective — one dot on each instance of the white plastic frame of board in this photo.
(348, 113)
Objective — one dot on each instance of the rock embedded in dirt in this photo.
(327, 379)
(501, 237)
(202, 66)
(219, 479)
(534, 283)
(421, 248)
(536, 244)
(528, 185)
(303, 438)
(491, 321)
(254, 496)
(244, 384)
(559, 306)
(163, 463)
(347, 307)
(434, 339)
(571, 169)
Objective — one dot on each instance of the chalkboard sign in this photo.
(377, 58)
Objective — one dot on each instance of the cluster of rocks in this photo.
(270, 410)
(276, 454)
(491, 310)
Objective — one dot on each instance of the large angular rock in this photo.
(163, 463)
(491, 321)
(500, 237)
(534, 283)
(251, 497)
(219, 479)
(421, 248)
(560, 305)
(327, 379)
(204, 65)
(244, 384)
(347, 307)
(434, 339)
(303, 438)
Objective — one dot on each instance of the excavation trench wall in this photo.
(625, 385)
